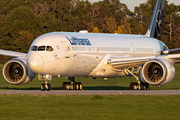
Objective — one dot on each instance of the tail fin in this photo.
(155, 27)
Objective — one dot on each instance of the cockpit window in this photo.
(165, 48)
(41, 48)
(49, 48)
(34, 48)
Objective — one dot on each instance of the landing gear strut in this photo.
(135, 71)
(72, 85)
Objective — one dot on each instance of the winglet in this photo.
(155, 27)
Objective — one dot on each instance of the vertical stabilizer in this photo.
(155, 27)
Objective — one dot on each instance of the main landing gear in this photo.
(72, 85)
(139, 86)
(135, 71)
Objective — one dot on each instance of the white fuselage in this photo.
(78, 54)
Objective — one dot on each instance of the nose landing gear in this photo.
(45, 79)
(45, 86)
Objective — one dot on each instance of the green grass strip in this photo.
(93, 107)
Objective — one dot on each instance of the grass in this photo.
(120, 83)
(90, 107)
(73, 107)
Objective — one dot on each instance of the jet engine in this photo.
(16, 72)
(158, 71)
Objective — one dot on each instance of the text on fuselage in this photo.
(78, 41)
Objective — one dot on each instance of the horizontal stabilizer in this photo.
(171, 51)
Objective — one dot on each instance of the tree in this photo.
(110, 25)
(119, 30)
(21, 18)
(95, 30)
(24, 40)
(125, 26)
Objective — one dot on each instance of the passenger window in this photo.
(34, 48)
(41, 48)
(49, 48)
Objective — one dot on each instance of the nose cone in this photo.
(35, 62)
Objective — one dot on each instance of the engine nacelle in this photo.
(158, 72)
(16, 72)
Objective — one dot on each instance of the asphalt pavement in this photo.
(94, 92)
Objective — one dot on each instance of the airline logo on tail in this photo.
(159, 23)
(155, 27)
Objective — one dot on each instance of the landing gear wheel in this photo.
(64, 86)
(43, 87)
(147, 86)
(79, 86)
(137, 86)
(131, 86)
(49, 87)
(75, 86)
(142, 86)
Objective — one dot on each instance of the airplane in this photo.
(95, 55)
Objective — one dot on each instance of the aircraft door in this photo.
(95, 48)
(66, 49)
(132, 47)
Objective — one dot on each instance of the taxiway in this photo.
(94, 92)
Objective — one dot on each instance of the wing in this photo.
(114, 66)
(12, 54)
(125, 62)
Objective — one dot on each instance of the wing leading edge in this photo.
(12, 54)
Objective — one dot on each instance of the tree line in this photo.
(21, 21)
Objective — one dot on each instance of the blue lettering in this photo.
(78, 41)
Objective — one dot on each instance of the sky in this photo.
(132, 3)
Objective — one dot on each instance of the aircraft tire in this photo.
(75, 86)
(64, 86)
(135, 85)
(80, 86)
(131, 86)
(142, 86)
(49, 87)
(43, 87)
(147, 86)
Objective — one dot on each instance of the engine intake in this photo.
(158, 72)
(16, 72)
